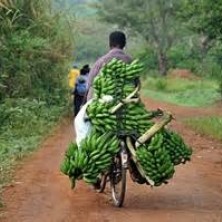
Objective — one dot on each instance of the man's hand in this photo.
(158, 112)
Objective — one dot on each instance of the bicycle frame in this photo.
(124, 155)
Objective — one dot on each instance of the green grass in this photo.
(210, 126)
(23, 125)
(195, 93)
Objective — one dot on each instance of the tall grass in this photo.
(178, 84)
(209, 126)
(183, 92)
(24, 123)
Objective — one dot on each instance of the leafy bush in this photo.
(146, 55)
(161, 84)
(35, 45)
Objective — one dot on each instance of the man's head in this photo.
(117, 39)
(86, 67)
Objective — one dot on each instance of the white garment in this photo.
(81, 125)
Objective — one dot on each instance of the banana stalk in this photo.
(130, 96)
(139, 167)
(167, 117)
(133, 100)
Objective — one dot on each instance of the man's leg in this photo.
(77, 103)
(134, 173)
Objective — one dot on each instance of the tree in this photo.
(87, 50)
(153, 20)
(35, 44)
(205, 17)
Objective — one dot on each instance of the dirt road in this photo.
(40, 193)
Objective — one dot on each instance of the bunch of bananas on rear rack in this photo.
(158, 156)
(116, 107)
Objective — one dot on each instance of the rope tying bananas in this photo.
(125, 114)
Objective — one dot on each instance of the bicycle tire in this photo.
(118, 199)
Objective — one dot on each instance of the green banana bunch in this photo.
(136, 118)
(133, 70)
(114, 75)
(74, 164)
(100, 150)
(100, 116)
(93, 157)
(128, 88)
(178, 150)
(155, 160)
(117, 68)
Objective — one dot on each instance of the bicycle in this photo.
(121, 162)
(117, 175)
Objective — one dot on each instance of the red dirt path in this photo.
(42, 194)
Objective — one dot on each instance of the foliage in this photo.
(177, 84)
(147, 56)
(209, 126)
(88, 29)
(182, 92)
(89, 34)
(78, 7)
(153, 20)
(23, 124)
(203, 16)
(35, 45)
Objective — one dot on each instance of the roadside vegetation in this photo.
(24, 123)
(207, 126)
(36, 45)
(184, 92)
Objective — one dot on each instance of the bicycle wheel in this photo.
(118, 182)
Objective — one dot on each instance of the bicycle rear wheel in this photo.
(118, 182)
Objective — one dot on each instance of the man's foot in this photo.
(134, 173)
(97, 185)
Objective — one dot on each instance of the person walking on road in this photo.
(80, 89)
(72, 76)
